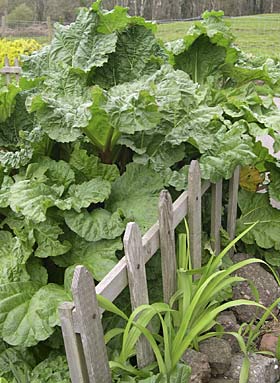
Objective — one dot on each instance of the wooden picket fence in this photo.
(10, 70)
(81, 320)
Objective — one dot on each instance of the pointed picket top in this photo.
(91, 330)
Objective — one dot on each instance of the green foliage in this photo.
(103, 119)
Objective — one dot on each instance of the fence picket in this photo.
(167, 246)
(232, 205)
(194, 213)
(91, 329)
(138, 287)
(216, 216)
(7, 65)
(73, 345)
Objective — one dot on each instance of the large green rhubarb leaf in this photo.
(137, 54)
(80, 45)
(32, 198)
(205, 48)
(230, 148)
(96, 225)
(87, 166)
(99, 257)
(47, 237)
(29, 312)
(136, 193)
(63, 105)
(14, 254)
(255, 207)
(81, 196)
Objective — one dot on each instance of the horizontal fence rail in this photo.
(81, 320)
(10, 70)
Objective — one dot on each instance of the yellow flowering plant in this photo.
(14, 48)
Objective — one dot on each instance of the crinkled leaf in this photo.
(63, 106)
(230, 148)
(255, 207)
(201, 59)
(13, 256)
(136, 193)
(160, 156)
(32, 198)
(81, 196)
(19, 120)
(28, 312)
(5, 191)
(132, 110)
(99, 257)
(54, 369)
(90, 51)
(96, 225)
(59, 172)
(87, 166)
(16, 358)
(137, 54)
(195, 128)
(47, 237)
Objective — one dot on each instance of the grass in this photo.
(259, 34)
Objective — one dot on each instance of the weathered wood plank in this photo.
(194, 213)
(7, 66)
(232, 205)
(116, 280)
(73, 345)
(91, 329)
(216, 216)
(136, 273)
(167, 246)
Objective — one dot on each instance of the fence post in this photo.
(91, 329)
(73, 345)
(49, 23)
(7, 64)
(136, 273)
(167, 246)
(194, 213)
(232, 205)
(216, 216)
(3, 24)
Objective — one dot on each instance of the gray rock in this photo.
(201, 371)
(228, 320)
(219, 354)
(263, 281)
(263, 369)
